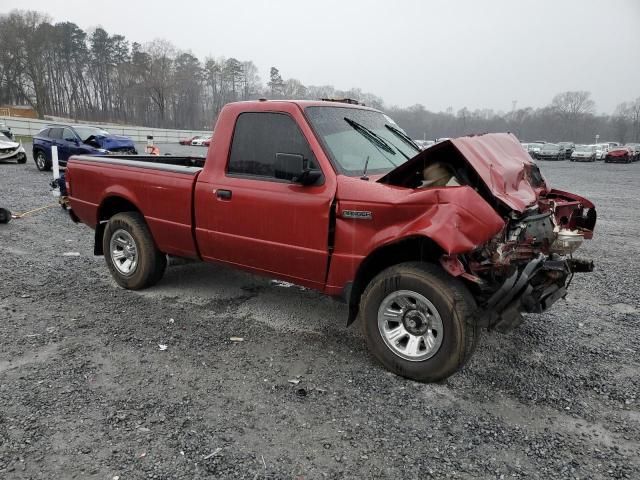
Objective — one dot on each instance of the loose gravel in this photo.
(101, 383)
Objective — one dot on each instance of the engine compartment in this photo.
(529, 263)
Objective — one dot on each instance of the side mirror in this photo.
(294, 167)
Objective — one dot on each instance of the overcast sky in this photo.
(478, 54)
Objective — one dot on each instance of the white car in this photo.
(200, 142)
(10, 150)
(584, 153)
(601, 150)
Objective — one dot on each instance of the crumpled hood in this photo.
(498, 159)
(109, 142)
(8, 144)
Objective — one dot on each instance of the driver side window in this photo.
(68, 135)
(258, 136)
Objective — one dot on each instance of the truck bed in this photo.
(160, 187)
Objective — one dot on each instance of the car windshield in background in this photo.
(86, 132)
(353, 135)
(584, 148)
(550, 147)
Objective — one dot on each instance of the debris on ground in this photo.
(215, 452)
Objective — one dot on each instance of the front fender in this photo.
(459, 222)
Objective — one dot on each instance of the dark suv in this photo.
(77, 140)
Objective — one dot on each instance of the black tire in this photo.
(5, 215)
(22, 158)
(454, 303)
(42, 163)
(151, 263)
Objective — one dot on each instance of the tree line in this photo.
(61, 70)
(569, 117)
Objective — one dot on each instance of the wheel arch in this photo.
(413, 248)
(110, 206)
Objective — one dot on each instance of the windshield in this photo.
(86, 132)
(550, 147)
(584, 148)
(353, 135)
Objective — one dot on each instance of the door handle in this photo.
(223, 194)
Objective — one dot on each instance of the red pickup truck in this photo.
(427, 247)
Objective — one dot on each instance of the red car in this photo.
(426, 247)
(620, 154)
(187, 141)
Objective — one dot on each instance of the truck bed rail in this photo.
(167, 163)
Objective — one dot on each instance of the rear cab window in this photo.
(258, 136)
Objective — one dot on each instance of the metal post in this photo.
(56, 169)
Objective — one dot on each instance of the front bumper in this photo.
(531, 288)
(617, 159)
(11, 153)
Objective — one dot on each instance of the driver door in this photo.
(249, 218)
(67, 145)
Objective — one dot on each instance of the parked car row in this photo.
(608, 151)
(196, 141)
(77, 140)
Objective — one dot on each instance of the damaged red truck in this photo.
(426, 247)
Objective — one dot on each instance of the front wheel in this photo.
(42, 163)
(130, 252)
(419, 321)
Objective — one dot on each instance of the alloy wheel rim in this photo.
(410, 325)
(124, 252)
(40, 160)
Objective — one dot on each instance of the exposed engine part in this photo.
(579, 265)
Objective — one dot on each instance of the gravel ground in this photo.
(86, 391)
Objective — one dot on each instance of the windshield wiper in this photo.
(403, 136)
(371, 136)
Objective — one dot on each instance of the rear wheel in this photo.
(130, 252)
(419, 321)
(42, 163)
